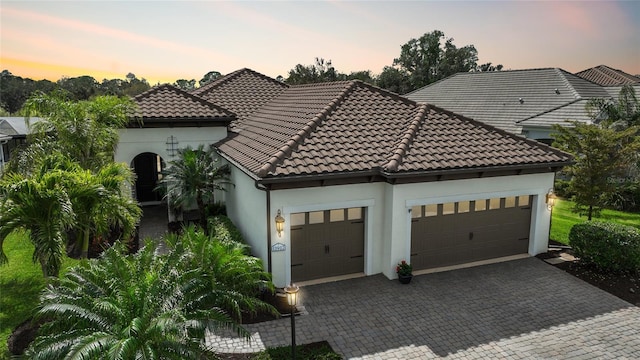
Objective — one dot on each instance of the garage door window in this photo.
(297, 219)
(416, 212)
(523, 200)
(463, 207)
(494, 203)
(510, 202)
(316, 217)
(481, 205)
(336, 215)
(431, 210)
(354, 213)
(448, 208)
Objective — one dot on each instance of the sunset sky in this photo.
(163, 41)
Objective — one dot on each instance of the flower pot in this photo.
(405, 279)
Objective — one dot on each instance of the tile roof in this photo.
(503, 98)
(242, 91)
(16, 125)
(606, 76)
(169, 102)
(350, 127)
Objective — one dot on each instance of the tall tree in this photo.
(601, 155)
(186, 85)
(87, 131)
(80, 88)
(41, 206)
(194, 177)
(321, 71)
(363, 75)
(433, 57)
(209, 77)
(394, 80)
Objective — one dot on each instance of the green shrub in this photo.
(561, 188)
(608, 246)
(223, 229)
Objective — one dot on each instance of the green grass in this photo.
(20, 284)
(563, 219)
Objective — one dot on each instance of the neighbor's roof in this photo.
(167, 102)
(351, 127)
(606, 76)
(16, 125)
(504, 98)
(242, 91)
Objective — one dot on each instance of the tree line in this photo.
(421, 62)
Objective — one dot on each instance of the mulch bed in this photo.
(300, 349)
(623, 285)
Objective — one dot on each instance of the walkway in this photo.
(521, 309)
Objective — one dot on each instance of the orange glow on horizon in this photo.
(40, 70)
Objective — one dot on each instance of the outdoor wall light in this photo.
(550, 199)
(292, 299)
(279, 224)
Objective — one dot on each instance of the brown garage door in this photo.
(327, 243)
(466, 231)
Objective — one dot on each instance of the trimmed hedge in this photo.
(223, 229)
(608, 246)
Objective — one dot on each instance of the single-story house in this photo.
(13, 133)
(343, 179)
(523, 102)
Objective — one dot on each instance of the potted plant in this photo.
(403, 269)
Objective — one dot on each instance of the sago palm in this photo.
(143, 306)
(194, 177)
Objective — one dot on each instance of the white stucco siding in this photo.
(247, 208)
(369, 196)
(140, 140)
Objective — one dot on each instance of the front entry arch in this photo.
(148, 168)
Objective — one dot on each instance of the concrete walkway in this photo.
(522, 309)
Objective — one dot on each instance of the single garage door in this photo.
(327, 243)
(461, 232)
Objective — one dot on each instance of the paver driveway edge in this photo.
(517, 309)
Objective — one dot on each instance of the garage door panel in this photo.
(330, 248)
(471, 235)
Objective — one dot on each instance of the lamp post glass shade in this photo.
(292, 294)
(550, 199)
(279, 223)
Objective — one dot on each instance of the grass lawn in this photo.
(20, 284)
(563, 219)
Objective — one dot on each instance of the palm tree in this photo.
(142, 306)
(194, 176)
(101, 202)
(86, 131)
(40, 205)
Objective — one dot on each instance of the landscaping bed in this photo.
(626, 286)
(314, 351)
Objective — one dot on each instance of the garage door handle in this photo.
(357, 256)
(326, 249)
(471, 235)
(522, 239)
(415, 254)
(292, 265)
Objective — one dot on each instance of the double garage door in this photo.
(461, 232)
(331, 242)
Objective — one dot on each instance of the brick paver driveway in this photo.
(518, 309)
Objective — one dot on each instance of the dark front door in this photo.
(327, 243)
(147, 167)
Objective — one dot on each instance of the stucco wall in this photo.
(388, 217)
(137, 141)
(247, 208)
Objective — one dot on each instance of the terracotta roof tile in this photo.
(243, 91)
(349, 126)
(606, 76)
(169, 102)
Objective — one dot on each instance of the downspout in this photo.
(265, 189)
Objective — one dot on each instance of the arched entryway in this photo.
(148, 168)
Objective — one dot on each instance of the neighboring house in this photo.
(606, 76)
(362, 178)
(523, 102)
(13, 133)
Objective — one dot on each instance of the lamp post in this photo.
(292, 299)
